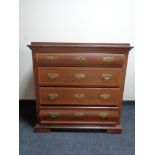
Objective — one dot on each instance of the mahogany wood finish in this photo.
(79, 115)
(79, 85)
(43, 128)
(79, 59)
(79, 96)
(76, 76)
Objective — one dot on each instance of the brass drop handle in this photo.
(79, 114)
(52, 75)
(108, 58)
(53, 96)
(80, 75)
(80, 58)
(51, 58)
(54, 114)
(103, 114)
(106, 76)
(105, 96)
(79, 96)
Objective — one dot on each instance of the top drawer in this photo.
(80, 59)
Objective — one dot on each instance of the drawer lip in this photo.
(66, 76)
(80, 123)
(91, 115)
(86, 59)
(80, 107)
(66, 96)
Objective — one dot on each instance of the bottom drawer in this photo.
(79, 115)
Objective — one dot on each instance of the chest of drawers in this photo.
(79, 85)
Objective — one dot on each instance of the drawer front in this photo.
(79, 115)
(79, 59)
(78, 96)
(79, 76)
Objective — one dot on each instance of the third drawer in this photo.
(79, 96)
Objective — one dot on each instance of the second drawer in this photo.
(78, 96)
(79, 76)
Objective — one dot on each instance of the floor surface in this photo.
(76, 143)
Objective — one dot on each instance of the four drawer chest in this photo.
(79, 85)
